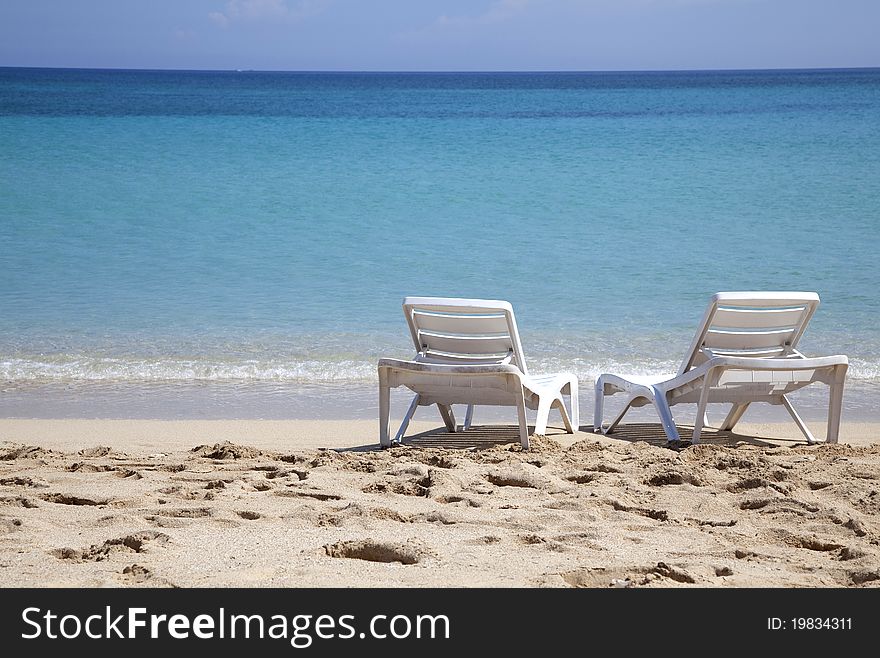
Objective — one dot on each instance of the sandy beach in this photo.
(119, 503)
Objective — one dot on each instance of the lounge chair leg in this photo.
(574, 405)
(736, 412)
(835, 404)
(543, 415)
(384, 412)
(798, 420)
(448, 417)
(559, 404)
(599, 407)
(469, 417)
(619, 417)
(523, 422)
(710, 379)
(701, 419)
(665, 413)
(406, 418)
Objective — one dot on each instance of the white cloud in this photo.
(501, 11)
(498, 11)
(218, 18)
(262, 10)
(183, 34)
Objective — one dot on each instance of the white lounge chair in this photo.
(743, 352)
(469, 352)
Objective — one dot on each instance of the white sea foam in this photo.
(82, 369)
(328, 370)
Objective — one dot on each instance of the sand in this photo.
(104, 503)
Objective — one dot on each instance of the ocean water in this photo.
(237, 244)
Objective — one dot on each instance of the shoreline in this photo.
(356, 402)
(152, 435)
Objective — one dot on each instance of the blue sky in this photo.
(426, 35)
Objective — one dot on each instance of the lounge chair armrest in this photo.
(752, 363)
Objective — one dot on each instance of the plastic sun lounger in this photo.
(469, 352)
(744, 352)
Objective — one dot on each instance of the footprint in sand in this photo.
(18, 501)
(672, 477)
(97, 451)
(185, 493)
(808, 542)
(486, 540)
(353, 511)
(128, 473)
(747, 484)
(673, 573)
(299, 493)
(657, 515)
(9, 525)
(133, 543)
(24, 452)
(226, 450)
(516, 479)
(23, 482)
(411, 552)
(135, 573)
(440, 461)
(412, 487)
(604, 577)
(779, 506)
(85, 467)
(186, 512)
(453, 499)
(64, 499)
(582, 478)
(849, 553)
(862, 577)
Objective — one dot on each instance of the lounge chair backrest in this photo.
(751, 324)
(464, 331)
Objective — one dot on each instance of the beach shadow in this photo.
(478, 437)
(484, 437)
(653, 433)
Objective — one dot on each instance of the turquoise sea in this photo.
(237, 244)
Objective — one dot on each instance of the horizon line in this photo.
(444, 71)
